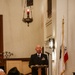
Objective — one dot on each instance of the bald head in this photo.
(38, 49)
(2, 72)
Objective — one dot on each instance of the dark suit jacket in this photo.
(35, 60)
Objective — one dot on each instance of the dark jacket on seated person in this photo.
(14, 71)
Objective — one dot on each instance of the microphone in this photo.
(47, 52)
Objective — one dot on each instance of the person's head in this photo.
(13, 71)
(38, 49)
(2, 72)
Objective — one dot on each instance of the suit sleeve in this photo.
(46, 61)
(31, 61)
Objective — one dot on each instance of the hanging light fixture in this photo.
(27, 19)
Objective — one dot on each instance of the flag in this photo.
(65, 55)
(63, 59)
(61, 62)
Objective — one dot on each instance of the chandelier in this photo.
(27, 14)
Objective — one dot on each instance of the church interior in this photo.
(27, 23)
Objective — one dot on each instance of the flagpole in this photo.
(63, 46)
(63, 36)
(62, 32)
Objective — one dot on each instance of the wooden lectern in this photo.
(40, 67)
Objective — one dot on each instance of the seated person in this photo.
(2, 72)
(14, 71)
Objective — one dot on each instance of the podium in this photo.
(40, 68)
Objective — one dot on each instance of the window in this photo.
(49, 8)
(29, 2)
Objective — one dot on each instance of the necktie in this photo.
(39, 55)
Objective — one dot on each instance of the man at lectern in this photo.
(38, 59)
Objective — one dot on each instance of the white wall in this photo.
(18, 37)
(71, 37)
(65, 9)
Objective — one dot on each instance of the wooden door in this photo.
(1, 36)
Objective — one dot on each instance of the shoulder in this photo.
(44, 54)
(33, 55)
